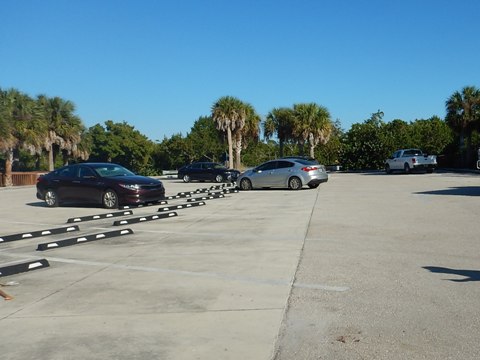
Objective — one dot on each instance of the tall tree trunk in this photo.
(7, 177)
(238, 150)
(312, 151)
(281, 147)
(230, 147)
(311, 145)
(50, 158)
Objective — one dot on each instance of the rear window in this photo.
(307, 162)
(413, 152)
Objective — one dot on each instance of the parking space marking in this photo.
(244, 279)
(321, 287)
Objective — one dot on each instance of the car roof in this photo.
(95, 164)
(304, 160)
(298, 157)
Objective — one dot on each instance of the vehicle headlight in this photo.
(130, 186)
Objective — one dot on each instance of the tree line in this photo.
(43, 133)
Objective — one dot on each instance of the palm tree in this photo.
(64, 128)
(279, 121)
(249, 130)
(463, 113)
(312, 123)
(8, 140)
(228, 113)
(20, 127)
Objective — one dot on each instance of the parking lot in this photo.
(367, 266)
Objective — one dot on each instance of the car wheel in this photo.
(186, 178)
(406, 168)
(218, 178)
(295, 183)
(110, 199)
(387, 169)
(313, 186)
(51, 198)
(245, 184)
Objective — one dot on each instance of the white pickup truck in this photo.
(408, 160)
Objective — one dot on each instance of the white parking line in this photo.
(247, 279)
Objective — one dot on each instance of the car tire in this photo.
(294, 183)
(110, 199)
(406, 168)
(51, 198)
(387, 169)
(218, 178)
(245, 184)
(313, 186)
(186, 178)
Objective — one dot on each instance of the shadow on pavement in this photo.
(459, 191)
(469, 275)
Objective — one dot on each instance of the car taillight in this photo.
(414, 160)
(309, 168)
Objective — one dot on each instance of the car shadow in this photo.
(458, 191)
(277, 189)
(469, 275)
(37, 204)
(67, 205)
(394, 173)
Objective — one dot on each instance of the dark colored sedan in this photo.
(207, 171)
(108, 184)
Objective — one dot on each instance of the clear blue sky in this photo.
(160, 65)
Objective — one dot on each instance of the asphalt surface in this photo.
(367, 266)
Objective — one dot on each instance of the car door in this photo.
(63, 183)
(87, 185)
(195, 171)
(283, 172)
(263, 175)
(396, 161)
(208, 172)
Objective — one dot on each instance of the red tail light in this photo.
(309, 168)
(414, 160)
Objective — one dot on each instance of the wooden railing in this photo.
(22, 178)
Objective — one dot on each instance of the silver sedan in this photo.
(292, 173)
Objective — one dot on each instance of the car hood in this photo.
(136, 179)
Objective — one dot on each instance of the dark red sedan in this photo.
(108, 184)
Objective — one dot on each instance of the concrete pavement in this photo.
(367, 266)
(407, 247)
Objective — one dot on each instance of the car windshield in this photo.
(218, 166)
(112, 170)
